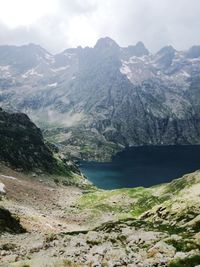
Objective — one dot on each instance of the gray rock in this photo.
(117, 96)
(2, 189)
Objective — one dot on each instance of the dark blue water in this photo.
(143, 166)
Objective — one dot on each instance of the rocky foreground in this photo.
(71, 226)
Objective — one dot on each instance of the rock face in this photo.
(2, 190)
(22, 144)
(9, 223)
(99, 100)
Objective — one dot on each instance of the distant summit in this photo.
(165, 56)
(137, 50)
(106, 42)
(103, 98)
(166, 50)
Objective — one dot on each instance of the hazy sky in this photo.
(59, 24)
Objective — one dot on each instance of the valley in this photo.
(53, 216)
(91, 103)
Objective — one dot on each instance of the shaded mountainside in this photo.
(23, 147)
(96, 101)
(22, 143)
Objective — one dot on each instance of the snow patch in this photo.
(32, 72)
(135, 59)
(69, 55)
(60, 69)
(4, 68)
(184, 73)
(50, 58)
(5, 71)
(52, 85)
(125, 69)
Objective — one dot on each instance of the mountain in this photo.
(96, 101)
(24, 149)
(22, 144)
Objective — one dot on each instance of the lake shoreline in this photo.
(143, 166)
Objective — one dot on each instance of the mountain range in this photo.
(93, 102)
(96, 101)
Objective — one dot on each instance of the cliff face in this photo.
(95, 101)
(22, 144)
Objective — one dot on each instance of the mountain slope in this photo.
(22, 144)
(23, 148)
(96, 101)
(174, 203)
(68, 226)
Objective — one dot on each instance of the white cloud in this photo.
(25, 12)
(58, 24)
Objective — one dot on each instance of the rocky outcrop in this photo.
(9, 223)
(2, 190)
(22, 144)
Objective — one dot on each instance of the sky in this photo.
(60, 24)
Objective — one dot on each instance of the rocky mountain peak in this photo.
(76, 50)
(23, 58)
(140, 44)
(91, 83)
(36, 50)
(165, 56)
(34, 46)
(166, 50)
(106, 42)
(137, 50)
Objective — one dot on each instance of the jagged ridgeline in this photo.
(96, 101)
(22, 145)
